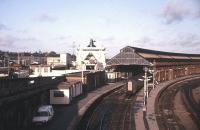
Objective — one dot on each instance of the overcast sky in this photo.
(54, 25)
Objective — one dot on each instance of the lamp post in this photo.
(145, 79)
(153, 77)
(82, 75)
(145, 85)
(40, 73)
(153, 80)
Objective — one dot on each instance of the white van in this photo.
(44, 114)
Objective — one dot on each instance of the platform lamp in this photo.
(151, 71)
(145, 84)
(144, 103)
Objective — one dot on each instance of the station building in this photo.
(164, 66)
(91, 57)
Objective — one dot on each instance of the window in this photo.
(90, 67)
(42, 113)
(59, 94)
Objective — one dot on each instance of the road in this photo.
(63, 116)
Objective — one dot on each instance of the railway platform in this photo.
(148, 121)
(91, 98)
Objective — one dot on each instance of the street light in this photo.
(82, 62)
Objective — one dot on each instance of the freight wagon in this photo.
(133, 85)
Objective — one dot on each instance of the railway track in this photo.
(165, 110)
(114, 112)
(191, 105)
(122, 120)
(166, 118)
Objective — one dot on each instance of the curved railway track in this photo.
(114, 112)
(165, 110)
(191, 105)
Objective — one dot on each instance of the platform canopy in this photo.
(128, 56)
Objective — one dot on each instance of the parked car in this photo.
(44, 114)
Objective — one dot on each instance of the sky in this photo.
(64, 25)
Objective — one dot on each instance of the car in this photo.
(44, 114)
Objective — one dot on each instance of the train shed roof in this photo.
(139, 56)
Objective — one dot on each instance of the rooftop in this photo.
(139, 56)
(147, 51)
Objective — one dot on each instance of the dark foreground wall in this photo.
(20, 98)
(18, 114)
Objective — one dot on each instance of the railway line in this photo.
(191, 105)
(168, 117)
(176, 109)
(114, 112)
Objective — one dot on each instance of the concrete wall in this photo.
(18, 115)
(19, 100)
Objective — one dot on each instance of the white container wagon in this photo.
(132, 86)
(65, 92)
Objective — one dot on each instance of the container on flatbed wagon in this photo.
(132, 86)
